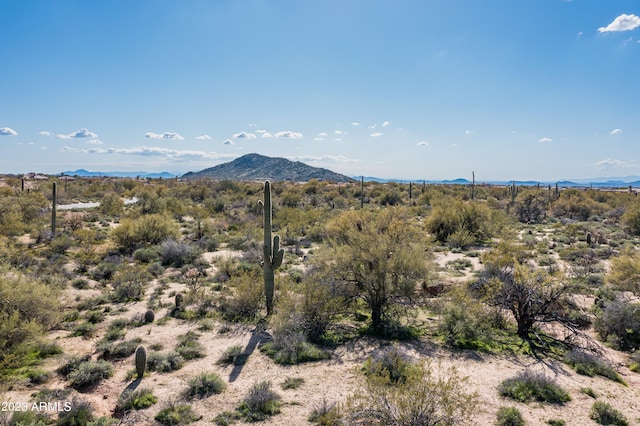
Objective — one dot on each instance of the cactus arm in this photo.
(277, 259)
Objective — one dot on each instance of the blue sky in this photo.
(416, 89)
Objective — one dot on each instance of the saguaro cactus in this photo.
(141, 361)
(272, 252)
(53, 210)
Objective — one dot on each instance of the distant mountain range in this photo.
(85, 173)
(260, 167)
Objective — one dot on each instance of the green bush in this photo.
(604, 414)
(135, 400)
(89, 373)
(81, 413)
(391, 364)
(188, 346)
(176, 414)
(177, 254)
(292, 383)
(425, 398)
(204, 385)
(118, 350)
(589, 365)
(232, 355)
(619, 324)
(509, 416)
(529, 386)
(260, 403)
(247, 299)
(164, 363)
(29, 307)
(326, 414)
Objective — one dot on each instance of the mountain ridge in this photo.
(260, 167)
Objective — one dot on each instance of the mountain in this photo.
(260, 167)
(86, 173)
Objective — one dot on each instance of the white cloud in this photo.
(288, 134)
(622, 23)
(355, 123)
(244, 135)
(423, 143)
(45, 133)
(610, 163)
(322, 159)
(318, 139)
(455, 145)
(545, 140)
(43, 147)
(337, 140)
(203, 138)
(323, 134)
(165, 135)
(253, 125)
(267, 135)
(6, 131)
(153, 151)
(94, 142)
(261, 131)
(468, 132)
(373, 126)
(376, 134)
(386, 124)
(339, 132)
(615, 132)
(82, 133)
(229, 142)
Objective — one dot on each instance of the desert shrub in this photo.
(631, 219)
(104, 271)
(625, 272)
(118, 350)
(590, 365)
(247, 299)
(176, 414)
(80, 283)
(204, 385)
(619, 324)
(84, 329)
(391, 364)
(604, 414)
(260, 403)
(188, 346)
(164, 363)
(589, 392)
(128, 284)
(509, 416)
(176, 253)
(31, 418)
(81, 413)
(463, 324)
(138, 399)
(529, 386)
(292, 383)
(289, 344)
(71, 364)
(232, 355)
(89, 373)
(146, 230)
(425, 398)
(29, 307)
(146, 255)
(453, 216)
(326, 413)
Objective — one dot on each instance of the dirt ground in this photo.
(334, 379)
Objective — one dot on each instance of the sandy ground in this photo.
(333, 380)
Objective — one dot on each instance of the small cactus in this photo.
(179, 300)
(141, 361)
(149, 316)
(53, 209)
